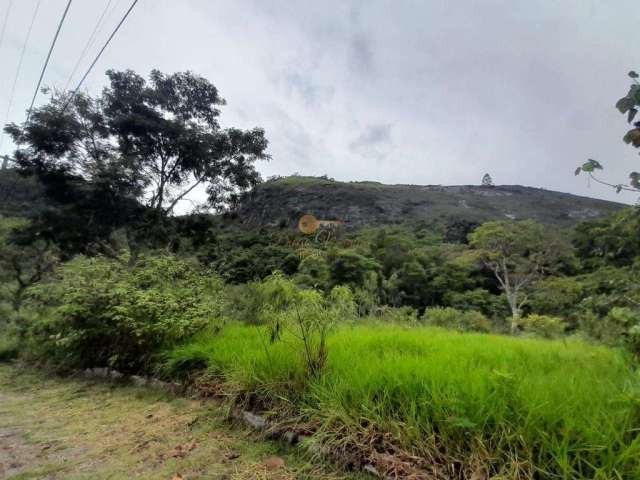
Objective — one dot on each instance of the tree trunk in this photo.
(18, 297)
(515, 312)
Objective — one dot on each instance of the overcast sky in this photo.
(421, 92)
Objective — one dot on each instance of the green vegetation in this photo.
(515, 406)
(459, 348)
(105, 313)
(382, 340)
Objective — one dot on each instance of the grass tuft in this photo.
(515, 407)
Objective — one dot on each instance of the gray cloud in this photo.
(374, 141)
(361, 53)
(372, 136)
(303, 84)
(523, 90)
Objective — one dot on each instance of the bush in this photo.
(556, 296)
(447, 317)
(543, 325)
(243, 302)
(313, 272)
(479, 299)
(307, 315)
(398, 315)
(627, 321)
(104, 313)
(9, 346)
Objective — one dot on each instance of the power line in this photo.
(92, 38)
(15, 80)
(73, 94)
(46, 62)
(4, 23)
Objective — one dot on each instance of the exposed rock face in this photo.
(282, 202)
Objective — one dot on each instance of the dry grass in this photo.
(76, 429)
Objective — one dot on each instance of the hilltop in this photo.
(280, 202)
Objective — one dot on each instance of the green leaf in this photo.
(624, 104)
(635, 179)
(618, 188)
(633, 74)
(591, 165)
(631, 115)
(578, 170)
(632, 137)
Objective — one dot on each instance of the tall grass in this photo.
(522, 408)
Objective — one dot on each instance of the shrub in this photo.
(399, 315)
(478, 299)
(627, 321)
(307, 315)
(313, 272)
(447, 317)
(9, 346)
(104, 313)
(243, 302)
(557, 296)
(543, 325)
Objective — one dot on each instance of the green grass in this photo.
(521, 408)
(303, 180)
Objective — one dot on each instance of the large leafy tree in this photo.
(168, 128)
(133, 153)
(91, 190)
(518, 254)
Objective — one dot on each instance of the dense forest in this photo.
(506, 349)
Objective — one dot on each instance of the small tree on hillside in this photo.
(518, 254)
(487, 181)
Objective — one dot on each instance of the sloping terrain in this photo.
(281, 203)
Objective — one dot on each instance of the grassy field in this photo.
(466, 404)
(53, 428)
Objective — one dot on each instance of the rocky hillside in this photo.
(19, 196)
(281, 203)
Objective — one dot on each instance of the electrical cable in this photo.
(90, 41)
(75, 91)
(46, 62)
(15, 79)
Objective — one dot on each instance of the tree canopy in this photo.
(518, 253)
(136, 150)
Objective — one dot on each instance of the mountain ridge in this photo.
(280, 202)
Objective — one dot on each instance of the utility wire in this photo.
(90, 41)
(4, 23)
(46, 62)
(95, 60)
(15, 79)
